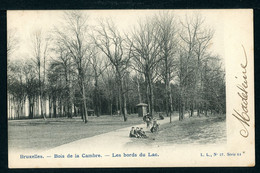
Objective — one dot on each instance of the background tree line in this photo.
(162, 61)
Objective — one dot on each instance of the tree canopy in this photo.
(163, 61)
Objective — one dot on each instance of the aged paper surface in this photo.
(232, 41)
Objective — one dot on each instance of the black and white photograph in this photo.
(130, 88)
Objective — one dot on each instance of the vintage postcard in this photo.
(130, 88)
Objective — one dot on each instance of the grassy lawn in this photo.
(195, 130)
(38, 134)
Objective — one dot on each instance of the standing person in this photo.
(147, 120)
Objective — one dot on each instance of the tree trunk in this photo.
(125, 110)
(151, 96)
(59, 107)
(139, 93)
(166, 81)
(36, 107)
(18, 109)
(147, 97)
(124, 99)
(75, 111)
(30, 108)
(50, 107)
(100, 105)
(71, 99)
(96, 102)
(85, 115)
(181, 107)
(180, 111)
(120, 99)
(42, 115)
(111, 108)
(117, 103)
(96, 96)
(171, 103)
(41, 107)
(191, 109)
(54, 108)
(81, 111)
(198, 110)
(166, 101)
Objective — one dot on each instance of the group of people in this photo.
(137, 133)
(151, 123)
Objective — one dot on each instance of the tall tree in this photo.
(213, 85)
(31, 86)
(16, 87)
(195, 40)
(40, 49)
(62, 64)
(98, 65)
(12, 44)
(73, 35)
(167, 31)
(109, 86)
(145, 50)
(109, 40)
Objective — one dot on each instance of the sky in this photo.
(26, 22)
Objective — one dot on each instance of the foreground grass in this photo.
(38, 134)
(194, 130)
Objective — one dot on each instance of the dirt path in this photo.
(116, 149)
(112, 140)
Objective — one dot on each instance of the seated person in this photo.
(142, 133)
(137, 132)
(155, 127)
(132, 133)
